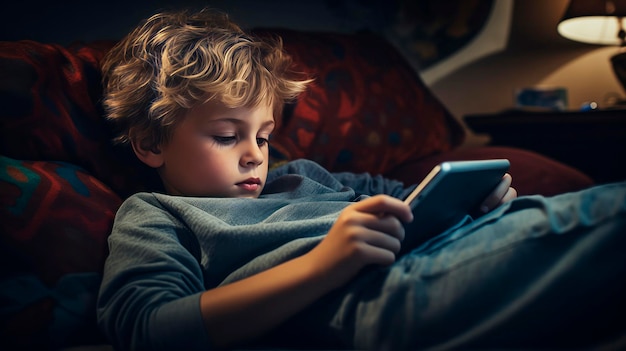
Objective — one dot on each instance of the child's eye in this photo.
(224, 139)
(262, 141)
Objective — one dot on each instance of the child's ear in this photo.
(150, 156)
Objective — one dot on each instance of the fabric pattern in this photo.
(55, 219)
(367, 110)
(50, 110)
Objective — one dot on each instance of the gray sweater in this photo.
(521, 276)
(165, 250)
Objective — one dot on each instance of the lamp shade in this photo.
(594, 21)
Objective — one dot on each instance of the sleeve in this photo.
(150, 294)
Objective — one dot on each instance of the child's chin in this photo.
(248, 196)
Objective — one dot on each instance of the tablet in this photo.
(450, 192)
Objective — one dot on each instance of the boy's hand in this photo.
(501, 194)
(367, 232)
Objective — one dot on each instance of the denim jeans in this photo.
(534, 273)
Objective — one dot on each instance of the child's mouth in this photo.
(250, 184)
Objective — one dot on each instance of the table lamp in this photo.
(600, 22)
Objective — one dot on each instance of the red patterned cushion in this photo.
(367, 110)
(54, 221)
(50, 110)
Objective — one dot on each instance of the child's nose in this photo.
(252, 155)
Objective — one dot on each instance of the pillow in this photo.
(367, 111)
(50, 110)
(533, 173)
(54, 223)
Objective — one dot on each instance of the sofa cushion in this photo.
(367, 110)
(532, 173)
(50, 110)
(54, 221)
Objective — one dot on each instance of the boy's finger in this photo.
(388, 224)
(495, 198)
(381, 240)
(385, 205)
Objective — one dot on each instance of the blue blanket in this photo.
(468, 286)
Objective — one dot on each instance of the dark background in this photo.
(432, 28)
(66, 21)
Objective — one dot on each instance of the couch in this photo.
(62, 179)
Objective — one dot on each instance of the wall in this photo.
(535, 55)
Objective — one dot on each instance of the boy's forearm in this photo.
(252, 306)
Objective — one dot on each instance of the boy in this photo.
(233, 254)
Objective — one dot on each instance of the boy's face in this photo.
(218, 152)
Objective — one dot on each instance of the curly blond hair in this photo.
(176, 60)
